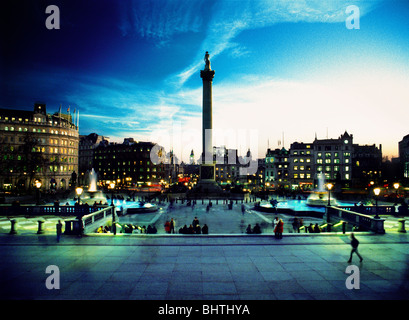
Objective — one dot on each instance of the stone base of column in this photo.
(207, 187)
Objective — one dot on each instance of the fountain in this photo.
(319, 198)
(92, 181)
(93, 192)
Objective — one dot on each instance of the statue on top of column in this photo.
(207, 61)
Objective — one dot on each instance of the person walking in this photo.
(280, 229)
(354, 245)
(296, 225)
(167, 226)
(59, 230)
(275, 223)
(172, 225)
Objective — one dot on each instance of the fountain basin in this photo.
(320, 199)
(142, 207)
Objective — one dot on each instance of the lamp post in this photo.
(329, 186)
(396, 186)
(38, 186)
(112, 187)
(376, 191)
(79, 192)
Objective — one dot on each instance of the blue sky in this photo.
(285, 70)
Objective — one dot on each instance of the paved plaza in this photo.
(181, 267)
(224, 265)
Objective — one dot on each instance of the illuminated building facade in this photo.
(37, 146)
(128, 164)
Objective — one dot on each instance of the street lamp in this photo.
(38, 186)
(112, 187)
(79, 192)
(396, 186)
(329, 186)
(377, 191)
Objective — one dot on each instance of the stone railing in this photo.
(370, 210)
(361, 220)
(27, 210)
(93, 220)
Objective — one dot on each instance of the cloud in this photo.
(231, 17)
(159, 20)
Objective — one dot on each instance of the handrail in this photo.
(362, 220)
(48, 210)
(91, 218)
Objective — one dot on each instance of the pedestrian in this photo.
(354, 245)
(249, 230)
(257, 229)
(172, 226)
(275, 222)
(296, 225)
(167, 227)
(279, 229)
(81, 228)
(59, 230)
(195, 222)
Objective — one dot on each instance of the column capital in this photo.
(207, 75)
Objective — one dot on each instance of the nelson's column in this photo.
(207, 185)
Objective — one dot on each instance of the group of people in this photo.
(255, 230)
(102, 229)
(313, 228)
(194, 227)
(128, 228)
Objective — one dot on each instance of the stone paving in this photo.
(226, 266)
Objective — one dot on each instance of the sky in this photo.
(285, 71)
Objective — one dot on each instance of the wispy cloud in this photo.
(159, 20)
(231, 17)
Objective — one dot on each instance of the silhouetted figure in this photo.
(172, 226)
(257, 229)
(249, 230)
(59, 230)
(354, 245)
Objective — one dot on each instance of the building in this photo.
(127, 164)
(37, 146)
(366, 165)
(333, 157)
(301, 165)
(87, 144)
(227, 165)
(276, 169)
(404, 157)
